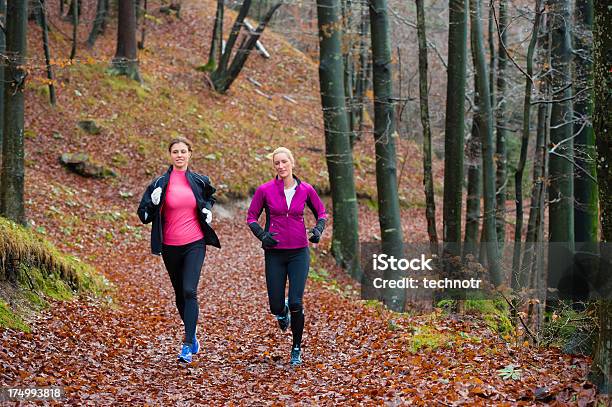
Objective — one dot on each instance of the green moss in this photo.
(123, 84)
(8, 319)
(42, 266)
(427, 338)
(495, 313)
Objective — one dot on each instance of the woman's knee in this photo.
(296, 306)
(190, 294)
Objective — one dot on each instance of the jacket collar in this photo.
(280, 185)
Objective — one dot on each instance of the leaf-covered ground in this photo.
(124, 351)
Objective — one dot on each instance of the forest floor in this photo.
(124, 351)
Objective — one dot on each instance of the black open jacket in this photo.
(203, 192)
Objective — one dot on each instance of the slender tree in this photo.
(2, 63)
(125, 61)
(561, 191)
(518, 175)
(75, 10)
(430, 210)
(473, 152)
(454, 127)
(384, 138)
(486, 130)
(586, 216)
(226, 72)
(501, 120)
(97, 28)
(45, 38)
(216, 43)
(13, 172)
(338, 153)
(601, 369)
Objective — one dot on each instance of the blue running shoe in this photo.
(284, 322)
(195, 347)
(185, 355)
(296, 356)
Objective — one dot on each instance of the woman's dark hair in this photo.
(177, 140)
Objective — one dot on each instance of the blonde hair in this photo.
(286, 151)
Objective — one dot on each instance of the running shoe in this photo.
(296, 357)
(195, 347)
(284, 322)
(186, 354)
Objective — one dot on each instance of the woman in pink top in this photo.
(179, 205)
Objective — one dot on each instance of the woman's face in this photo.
(180, 155)
(282, 165)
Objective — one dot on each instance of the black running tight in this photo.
(184, 264)
(280, 265)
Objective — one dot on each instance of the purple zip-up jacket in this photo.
(288, 223)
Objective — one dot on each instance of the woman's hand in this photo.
(208, 214)
(156, 195)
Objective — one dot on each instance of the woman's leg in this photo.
(299, 264)
(276, 280)
(193, 258)
(174, 264)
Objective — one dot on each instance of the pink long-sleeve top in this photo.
(181, 225)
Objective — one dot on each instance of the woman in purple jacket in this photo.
(285, 243)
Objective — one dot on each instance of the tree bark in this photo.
(338, 153)
(223, 80)
(384, 139)
(98, 25)
(518, 175)
(430, 203)
(13, 172)
(586, 214)
(601, 369)
(474, 184)
(501, 115)
(47, 52)
(486, 123)
(561, 191)
(216, 43)
(125, 61)
(2, 62)
(75, 10)
(454, 127)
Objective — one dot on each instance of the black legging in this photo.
(184, 264)
(280, 264)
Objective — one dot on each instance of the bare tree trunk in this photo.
(13, 171)
(454, 127)
(216, 44)
(518, 175)
(75, 27)
(45, 38)
(430, 210)
(561, 191)
(125, 61)
(98, 25)
(601, 369)
(2, 62)
(501, 114)
(486, 114)
(586, 213)
(143, 25)
(338, 153)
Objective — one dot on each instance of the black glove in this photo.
(317, 231)
(266, 237)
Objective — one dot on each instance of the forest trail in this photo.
(353, 353)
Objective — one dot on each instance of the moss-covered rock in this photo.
(36, 270)
(83, 165)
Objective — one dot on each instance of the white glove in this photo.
(156, 195)
(208, 215)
